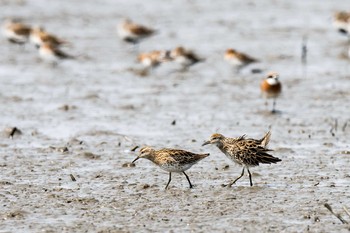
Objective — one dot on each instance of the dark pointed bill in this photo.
(206, 143)
(135, 160)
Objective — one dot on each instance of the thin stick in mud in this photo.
(336, 215)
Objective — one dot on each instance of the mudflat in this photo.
(80, 120)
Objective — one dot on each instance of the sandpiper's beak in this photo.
(135, 159)
(206, 143)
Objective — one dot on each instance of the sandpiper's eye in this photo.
(270, 76)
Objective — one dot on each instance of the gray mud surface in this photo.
(81, 119)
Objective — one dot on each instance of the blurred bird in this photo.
(341, 21)
(153, 59)
(52, 54)
(185, 57)
(39, 36)
(237, 59)
(271, 88)
(133, 33)
(16, 32)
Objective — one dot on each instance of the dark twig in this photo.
(346, 211)
(336, 215)
(344, 126)
(13, 131)
(331, 131)
(72, 177)
(336, 124)
(334, 127)
(134, 148)
(304, 50)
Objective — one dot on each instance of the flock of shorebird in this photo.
(247, 152)
(48, 44)
(49, 49)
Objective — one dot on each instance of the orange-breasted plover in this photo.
(271, 87)
(247, 152)
(171, 160)
(39, 36)
(133, 33)
(238, 59)
(52, 54)
(341, 21)
(16, 32)
(185, 57)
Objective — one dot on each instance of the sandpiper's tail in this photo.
(266, 139)
(267, 158)
(202, 156)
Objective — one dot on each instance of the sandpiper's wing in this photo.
(62, 54)
(193, 57)
(21, 29)
(48, 38)
(251, 152)
(141, 30)
(246, 58)
(181, 156)
(235, 140)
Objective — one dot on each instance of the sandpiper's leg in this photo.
(266, 105)
(168, 181)
(183, 69)
(274, 106)
(188, 179)
(237, 178)
(53, 64)
(238, 69)
(136, 47)
(250, 177)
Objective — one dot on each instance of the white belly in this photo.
(48, 56)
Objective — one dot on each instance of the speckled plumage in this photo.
(154, 58)
(16, 32)
(52, 54)
(133, 33)
(39, 36)
(247, 152)
(185, 57)
(238, 59)
(171, 160)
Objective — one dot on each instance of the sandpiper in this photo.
(16, 32)
(237, 59)
(171, 160)
(133, 33)
(154, 58)
(185, 57)
(52, 54)
(246, 152)
(271, 87)
(341, 21)
(39, 36)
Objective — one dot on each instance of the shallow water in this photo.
(111, 110)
